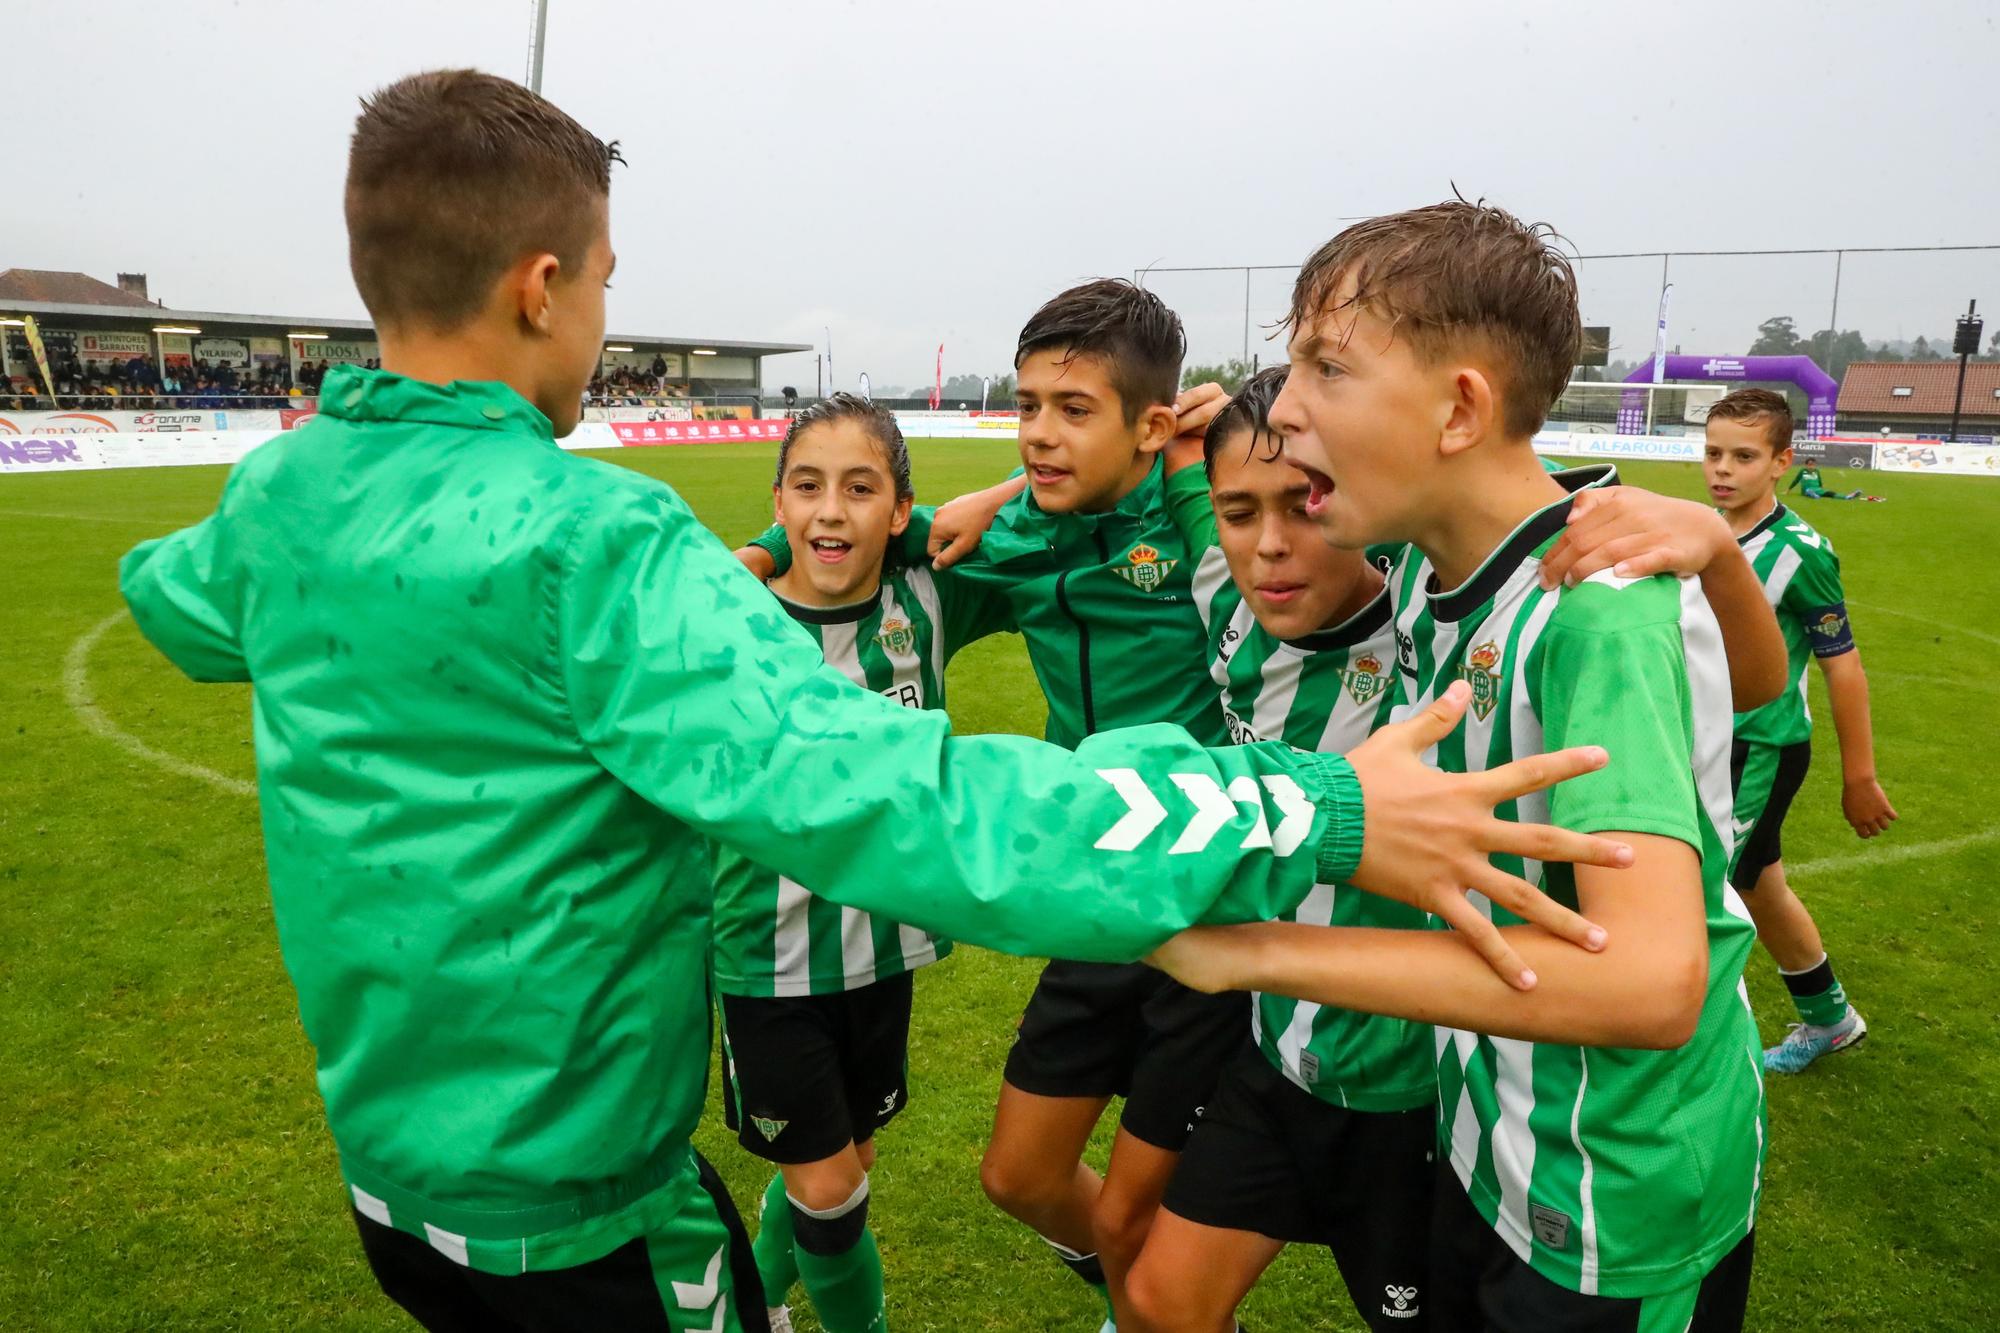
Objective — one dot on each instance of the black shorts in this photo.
(1126, 1030)
(806, 1075)
(625, 1289)
(1763, 779)
(1271, 1158)
(1479, 1283)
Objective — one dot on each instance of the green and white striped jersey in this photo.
(1611, 1172)
(1801, 578)
(1325, 692)
(773, 935)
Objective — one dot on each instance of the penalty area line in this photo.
(77, 694)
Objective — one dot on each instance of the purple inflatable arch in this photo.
(1819, 387)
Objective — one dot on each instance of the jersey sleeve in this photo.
(1818, 601)
(690, 686)
(185, 591)
(1614, 674)
(1193, 513)
(910, 546)
(971, 608)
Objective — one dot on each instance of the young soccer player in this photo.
(1814, 487)
(1605, 1137)
(506, 699)
(1749, 447)
(1322, 1130)
(816, 997)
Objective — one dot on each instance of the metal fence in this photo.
(1889, 296)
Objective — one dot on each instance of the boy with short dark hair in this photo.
(1749, 447)
(1605, 1137)
(507, 699)
(1086, 553)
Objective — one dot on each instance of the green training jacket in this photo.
(504, 697)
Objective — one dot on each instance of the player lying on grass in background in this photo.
(1749, 447)
(815, 997)
(1814, 488)
(1605, 1133)
(507, 700)
(1322, 1130)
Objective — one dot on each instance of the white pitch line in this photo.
(1888, 855)
(76, 692)
(1926, 620)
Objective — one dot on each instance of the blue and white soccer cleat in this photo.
(1806, 1043)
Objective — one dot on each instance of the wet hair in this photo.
(1138, 337)
(878, 421)
(1458, 275)
(1249, 410)
(1758, 406)
(455, 175)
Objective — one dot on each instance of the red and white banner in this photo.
(697, 432)
(291, 418)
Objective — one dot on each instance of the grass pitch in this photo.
(167, 1164)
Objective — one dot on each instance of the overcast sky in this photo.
(909, 174)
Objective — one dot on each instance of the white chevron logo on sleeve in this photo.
(1143, 814)
(1296, 810)
(693, 1296)
(1213, 808)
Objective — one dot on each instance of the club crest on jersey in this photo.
(1481, 670)
(770, 1129)
(1146, 571)
(898, 636)
(1365, 679)
(1829, 625)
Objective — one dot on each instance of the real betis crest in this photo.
(1147, 572)
(1481, 670)
(770, 1129)
(897, 636)
(1365, 680)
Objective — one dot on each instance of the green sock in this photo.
(1817, 994)
(846, 1288)
(777, 1265)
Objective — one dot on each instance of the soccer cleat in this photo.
(1806, 1043)
(780, 1317)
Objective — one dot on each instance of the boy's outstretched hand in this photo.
(1427, 834)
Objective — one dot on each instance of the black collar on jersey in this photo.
(1764, 524)
(1361, 625)
(829, 615)
(1539, 527)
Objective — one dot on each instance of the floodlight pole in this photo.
(541, 41)
(1967, 339)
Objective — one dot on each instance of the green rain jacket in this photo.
(504, 697)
